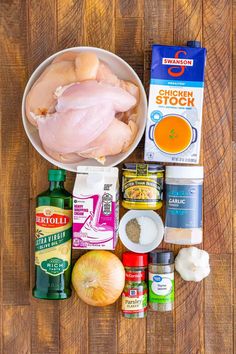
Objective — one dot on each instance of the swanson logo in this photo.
(55, 220)
(179, 64)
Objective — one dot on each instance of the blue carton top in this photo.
(177, 63)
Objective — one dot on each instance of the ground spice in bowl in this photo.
(141, 230)
(133, 230)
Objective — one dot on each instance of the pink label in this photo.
(95, 222)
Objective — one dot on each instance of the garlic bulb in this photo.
(192, 264)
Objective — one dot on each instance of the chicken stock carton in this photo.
(96, 208)
(173, 131)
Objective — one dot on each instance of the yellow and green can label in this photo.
(53, 239)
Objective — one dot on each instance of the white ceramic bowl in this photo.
(136, 247)
(123, 71)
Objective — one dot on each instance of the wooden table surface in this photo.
(203, 319)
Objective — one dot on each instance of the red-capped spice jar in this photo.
(134, 296)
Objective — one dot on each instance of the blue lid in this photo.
(194, 44)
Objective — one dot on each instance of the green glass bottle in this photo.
(53, 240)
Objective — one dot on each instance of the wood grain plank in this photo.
(14, 156)
(129, 40)
(234, 65)
(98, 31)
(234, 165)
(13, 33)
(129, 8)
(234, 237)
(189, 309)
(189, 317)
(187, 21)
(129, 46)
(99, 24)
(16, 329)
(42, 31)
(73, 326)
(158, 25)
(73, 312)
(132, 335)
(70, 23)
(42, 42)
(218, 306)
(45, 327)
(102, 329)
(158, 28)
(217, 126)
(218, 182)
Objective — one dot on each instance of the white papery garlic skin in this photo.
(192, 264)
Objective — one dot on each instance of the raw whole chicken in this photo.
(82, 109)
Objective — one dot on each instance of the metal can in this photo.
(142, 186)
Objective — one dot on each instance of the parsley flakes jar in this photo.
(142, 186)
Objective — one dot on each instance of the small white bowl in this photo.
(124, 71)
(137, 247)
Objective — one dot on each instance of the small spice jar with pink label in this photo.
(134, 297)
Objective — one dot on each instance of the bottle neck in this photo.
(56, 185)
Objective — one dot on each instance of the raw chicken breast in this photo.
(105, 74)
(64, 158)
(67, 56)
(115, 139)
(131, 88)
(90, 93)
(86, 66)
(41, 100)
(71, 131)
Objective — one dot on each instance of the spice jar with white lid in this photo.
(183, 222)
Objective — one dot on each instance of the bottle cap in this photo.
(56, 175)
(190, 172)
(194, 44)
(131, 259)
(161, 256)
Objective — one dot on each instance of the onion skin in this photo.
(98, 278)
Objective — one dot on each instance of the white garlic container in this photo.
(184, 189)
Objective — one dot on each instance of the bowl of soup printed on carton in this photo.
(173, 132)
(95, 208)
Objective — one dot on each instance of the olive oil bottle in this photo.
(53, 240)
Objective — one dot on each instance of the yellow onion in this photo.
(98, 278)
